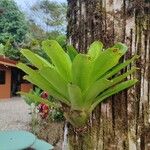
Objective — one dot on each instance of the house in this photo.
(11, 79)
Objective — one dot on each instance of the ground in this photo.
(14, 114)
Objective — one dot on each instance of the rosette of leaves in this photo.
(78, 82)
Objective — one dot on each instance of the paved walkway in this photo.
(14, 114)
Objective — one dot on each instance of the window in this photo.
(146, 1)
(2, 77)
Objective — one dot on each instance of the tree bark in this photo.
(123, 121)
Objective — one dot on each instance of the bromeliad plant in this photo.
(78, 81)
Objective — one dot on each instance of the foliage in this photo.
(78, 81)
(47, 9)
(34, 100)
(34, 43)
(2, 49)
(35, 32)
(13, 28)
(52, 13)
(57, 115)
(39, 34)
(12, 23)
(29, 101)
(9, 51)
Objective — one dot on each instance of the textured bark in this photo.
(123, 121)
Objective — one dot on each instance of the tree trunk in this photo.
(123, 121)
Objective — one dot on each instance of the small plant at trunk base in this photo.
(78, 82)
(40, 107)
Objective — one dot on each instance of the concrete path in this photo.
(14, 114)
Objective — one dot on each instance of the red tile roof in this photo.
(7, 62)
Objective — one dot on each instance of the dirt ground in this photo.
(14, 114)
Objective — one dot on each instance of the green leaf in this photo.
(122, 48)
(35, 59)
(94, 90)
(75, 97)
(25, 68)
(38, 99)
(119, 67)
(123, 76)
(81, 68)
(95, 49)
(35, 78)
(108, 59)
(72, 52)
(44, 61)
(59, 58)
(52, 76)
(36, 91)
(103, 84)
(49, 89)
(111, 91)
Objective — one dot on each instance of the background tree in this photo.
(13, 28)
(35, 32)
(47, 20)
(52, 14)
(1, 49)
(36, 35)
(122, 122)
(12, 23)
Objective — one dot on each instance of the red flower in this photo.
(44, 95)
(43, 110)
